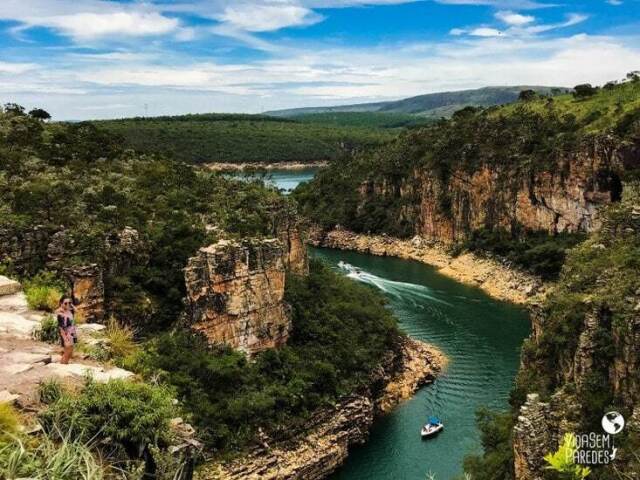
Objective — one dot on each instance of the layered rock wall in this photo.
(565, 199)
(235, 294)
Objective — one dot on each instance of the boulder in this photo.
(8, 286)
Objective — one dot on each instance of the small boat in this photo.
(433, 427)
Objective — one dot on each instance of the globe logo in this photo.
(612, 423)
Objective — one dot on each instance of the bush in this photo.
(44, 291)
(120, 340)
(48, 330)
(495, 434)
(9, 420)
(132, 415)
(50, 391)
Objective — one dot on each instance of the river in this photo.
(480, 336)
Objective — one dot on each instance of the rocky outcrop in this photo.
(318, 450)
(532, 439)
(564, 199)
(288, 228)
(88, 292)
(24, 249)
(497, 279)
(235, 294)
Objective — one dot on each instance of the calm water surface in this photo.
(481, 337)
(285, 180)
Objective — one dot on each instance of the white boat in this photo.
(433, 427)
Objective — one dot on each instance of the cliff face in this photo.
(235, 294)
(583, 357)
(563, 200)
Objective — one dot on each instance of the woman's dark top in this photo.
(65, 322)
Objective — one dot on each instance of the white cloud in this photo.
(485, 32)
(267, 17)
(16, 68)
(515, 19)
(93, 25)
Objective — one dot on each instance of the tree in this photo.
(584, 90)
(40, 114)
(527, 95)
(13, 109)
(634, 76)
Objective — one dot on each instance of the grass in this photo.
(120, 340)
(9, 420)
(43, 291)
(597, 113)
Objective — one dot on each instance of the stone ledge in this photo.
(8, 286)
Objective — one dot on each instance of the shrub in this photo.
(42, 297)
(120, 340)
(50, 391)
(48, 330)
(9, 420)
(44, 291)
(132, 415)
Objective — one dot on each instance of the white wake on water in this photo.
(396, 289)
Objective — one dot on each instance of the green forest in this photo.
(228, 138)
(76, 183)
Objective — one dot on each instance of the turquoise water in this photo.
(481, 337)
(285, 180)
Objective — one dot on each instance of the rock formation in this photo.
(88, 292)
(566, 199)
(288, 228)
(235, 294)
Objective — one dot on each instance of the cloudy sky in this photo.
(84, 59)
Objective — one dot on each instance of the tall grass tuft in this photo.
(120, 340)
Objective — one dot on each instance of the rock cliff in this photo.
(563, 199)
(235, 294)
(323, 445)
(583, 356)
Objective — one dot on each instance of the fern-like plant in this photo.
(563, 460)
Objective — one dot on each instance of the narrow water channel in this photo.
(481, 337)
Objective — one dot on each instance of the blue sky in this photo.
(106, 58)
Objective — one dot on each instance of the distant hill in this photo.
(431, 105)
(237, 138)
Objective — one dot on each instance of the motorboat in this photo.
(431, 428)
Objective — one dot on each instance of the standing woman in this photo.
(66, 328)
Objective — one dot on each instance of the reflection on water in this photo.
(482, 339)
(284, 180)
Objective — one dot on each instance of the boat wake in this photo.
(404, 290)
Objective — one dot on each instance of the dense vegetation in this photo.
(516, 141)
(600, 279)
(139, 217)
(243, 138)
(364, 119)
(76, 179)
(340, 331)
